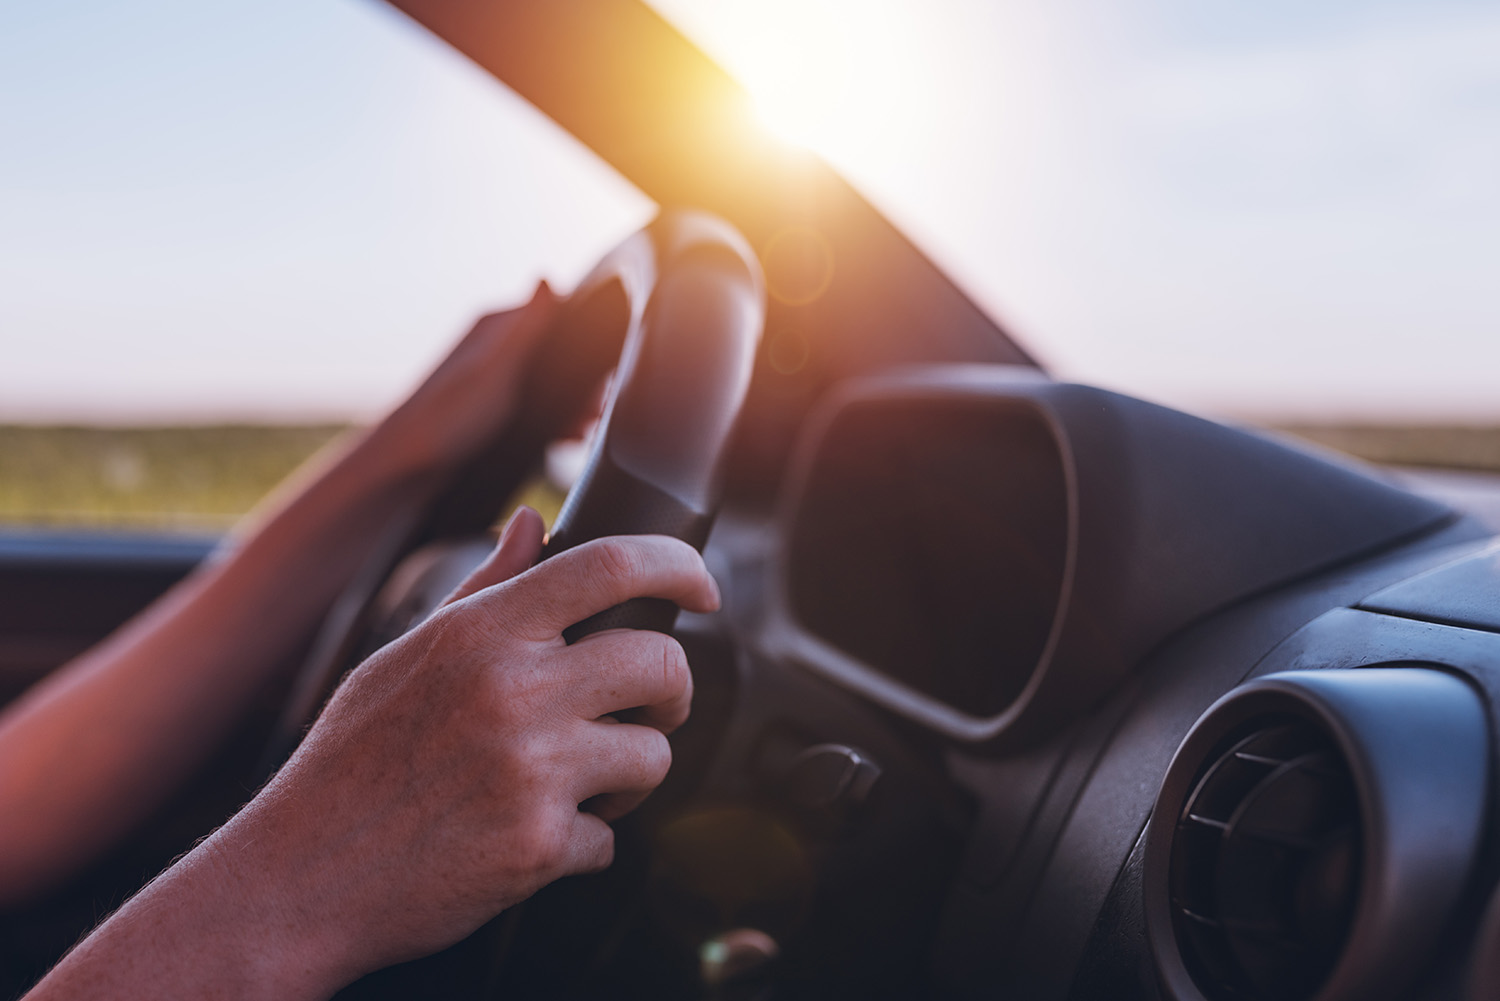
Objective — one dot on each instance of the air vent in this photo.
(1314, 834)
(1265, 866)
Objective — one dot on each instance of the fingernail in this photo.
(510, 527)
(718, 597)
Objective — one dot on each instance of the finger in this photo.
(591, 844)
(630, 669)
(575, 584)
(614, 759)
(611, 806)
(524, 322)
(499, 341)
(520, 544)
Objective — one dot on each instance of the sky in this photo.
(287, 209)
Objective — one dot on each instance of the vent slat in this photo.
(1202, 919)
(1261, 759)
(1266, 849)
(1207, 821)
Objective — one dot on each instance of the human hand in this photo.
(443, 782)
(470, 395)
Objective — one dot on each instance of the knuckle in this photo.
(521, 766)
(604, 853)
(674, 664)
(533, 752)
(541, 842)
(468, 625)
(620, 559)
(530, 619)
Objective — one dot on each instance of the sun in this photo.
(830, 76)
(800, 86)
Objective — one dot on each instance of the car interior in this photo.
(1020, 688)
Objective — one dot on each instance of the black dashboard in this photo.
(1155, 705)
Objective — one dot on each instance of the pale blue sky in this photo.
(289, 207)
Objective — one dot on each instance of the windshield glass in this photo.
(265, 208)
(251, 212)
(1266, 210)
(283, 211)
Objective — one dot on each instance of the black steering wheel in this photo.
(677, 311)
(696, 301)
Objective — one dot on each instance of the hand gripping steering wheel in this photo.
(697, 308)
(677, 311)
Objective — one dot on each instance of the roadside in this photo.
(202, 479)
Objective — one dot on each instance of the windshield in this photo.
(228, 230)
(283, 211)
(265, 209)
(1267, 210)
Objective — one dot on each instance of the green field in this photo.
(204, 478)
(196, 478)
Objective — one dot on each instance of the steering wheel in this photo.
(697, 309)
(677, 311)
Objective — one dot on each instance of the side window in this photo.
(231, 230)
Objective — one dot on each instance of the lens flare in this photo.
(834, 77)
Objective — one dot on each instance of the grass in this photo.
(192, 478)
(204, 478)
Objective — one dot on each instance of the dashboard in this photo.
(1156, 707)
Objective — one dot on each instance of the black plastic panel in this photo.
(931, 544)
(1168, 518)
(1022, 922)
(1466, 593)
(60, 592)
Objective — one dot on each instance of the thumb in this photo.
(520, 545)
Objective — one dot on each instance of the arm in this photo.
(94, 748)
(441, 785)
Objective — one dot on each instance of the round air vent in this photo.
(1265, 863)
(1313, 835)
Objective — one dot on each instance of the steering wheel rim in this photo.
(681, 299)
(656, 462)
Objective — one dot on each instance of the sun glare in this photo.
(832, 76)
(800, 83)
(794, 123)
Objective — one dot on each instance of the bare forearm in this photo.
(219, 924)
(89, 752)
